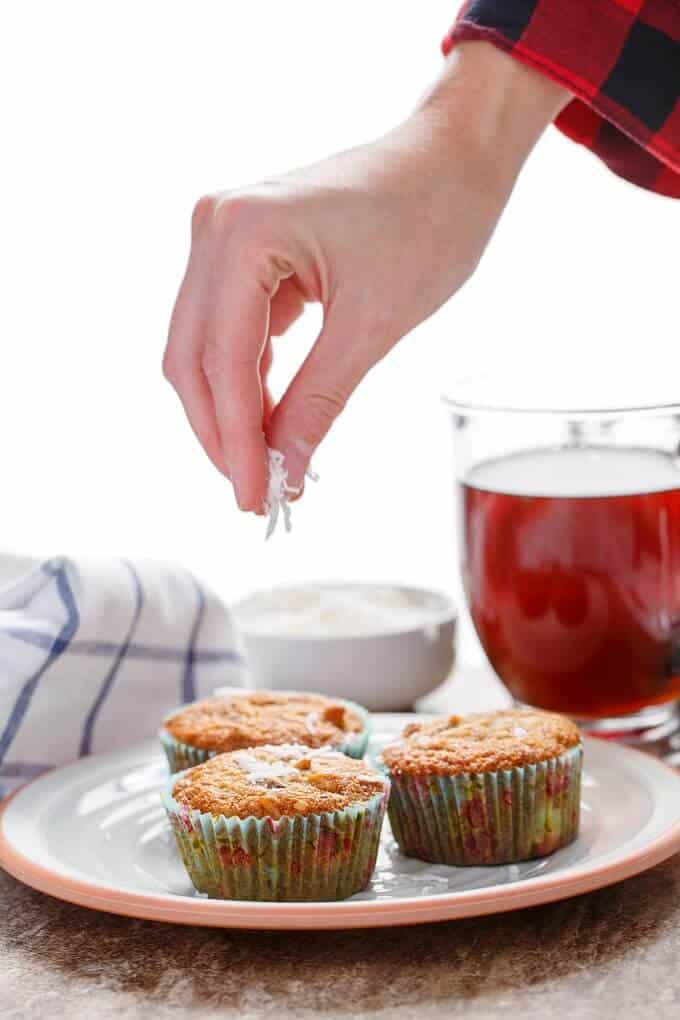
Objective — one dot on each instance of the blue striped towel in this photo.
(93, 653)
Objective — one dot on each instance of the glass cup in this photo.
(569, 527)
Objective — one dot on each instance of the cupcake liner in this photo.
(488, 817)
(184, 756)
(181, 756)
(315, 857)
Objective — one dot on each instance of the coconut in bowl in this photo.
(384, 646)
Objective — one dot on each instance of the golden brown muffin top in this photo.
(483, 742)
(227, 723)
(277, 781)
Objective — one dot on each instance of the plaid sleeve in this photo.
(620, 58)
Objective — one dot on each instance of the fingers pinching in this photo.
(245, 275)
(315, 398)
(186, 336)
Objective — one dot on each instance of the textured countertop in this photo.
(611, 954)
(614, 953)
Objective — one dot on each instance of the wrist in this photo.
(492, 103)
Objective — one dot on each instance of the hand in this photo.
(380, 236)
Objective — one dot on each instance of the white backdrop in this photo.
(116, 116)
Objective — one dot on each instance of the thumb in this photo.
(318, 393)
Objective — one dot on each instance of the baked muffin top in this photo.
(483, 742)
(227, 723)
(274, 781)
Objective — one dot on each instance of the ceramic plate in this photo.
(94, 833)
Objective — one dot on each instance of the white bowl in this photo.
(385, 669)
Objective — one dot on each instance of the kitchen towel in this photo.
(93, 654)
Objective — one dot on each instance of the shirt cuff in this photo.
(620, 59)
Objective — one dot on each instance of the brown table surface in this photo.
(614, 953)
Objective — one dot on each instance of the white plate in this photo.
(95, 833)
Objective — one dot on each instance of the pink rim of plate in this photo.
(344, 915)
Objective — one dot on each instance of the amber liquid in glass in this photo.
(571, 564)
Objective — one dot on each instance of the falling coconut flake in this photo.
(278, 491)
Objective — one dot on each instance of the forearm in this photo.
(450, 167)
(491, 106)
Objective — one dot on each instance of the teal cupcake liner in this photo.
(304, 858)
(181, 756)
(185, 756)
(488, 817)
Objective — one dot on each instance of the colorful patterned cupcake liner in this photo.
(184, 756)
(315, 857)
(488, 817)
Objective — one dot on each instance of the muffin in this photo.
(192, 734)
(489, 788)
(278, 822)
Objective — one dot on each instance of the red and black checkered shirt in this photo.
(620, 58)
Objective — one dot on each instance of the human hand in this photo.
(380, 236)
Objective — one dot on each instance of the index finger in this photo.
(231, 362)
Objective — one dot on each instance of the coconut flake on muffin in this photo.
(279, 822)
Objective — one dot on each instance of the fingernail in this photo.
(240, 489)
(298, 463)
(303, 447)
(244, 503)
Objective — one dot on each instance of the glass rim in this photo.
(562, 391)
(479, 407)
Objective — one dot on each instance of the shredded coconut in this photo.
(229, 692)
(288, 752)
(341, 609)
(259, 771)
(327, 750)
(278, 492)
(264, 773)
